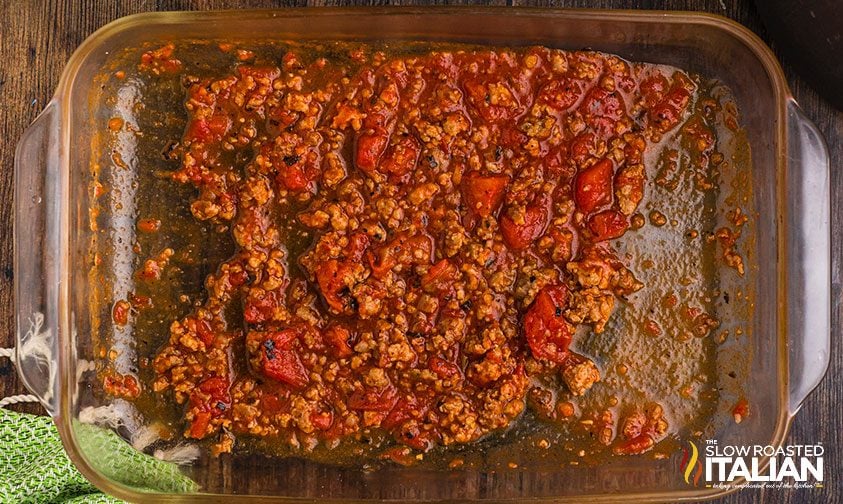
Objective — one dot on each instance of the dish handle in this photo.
(38, 256)
(808, 256)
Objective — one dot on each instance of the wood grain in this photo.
(38, 38)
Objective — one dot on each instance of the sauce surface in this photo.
(421, 242)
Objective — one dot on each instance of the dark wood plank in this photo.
(38, 38)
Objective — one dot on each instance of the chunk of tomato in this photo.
(373, 399)
(512, 138)
(370, 148)
(440, 276)
(208, 400)
(337, 338)
(583, 146)
(668, 111)
(560, 93)
(403, 249)
(205, 332)
(484, 193)
(608, 225)
(199, 425)
(400, 158)
(297, 174)
(210, 129)
(548, 333)
(405, 408)
(279, 359)
(443, 369)
(331, 277)
(260, 305)
(322, 420)
(635, 446)
(602, 110)
(520, 236)
(593, 186)
(493, 109)
(653, 88)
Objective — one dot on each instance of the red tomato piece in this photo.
(593, 186)
(560, 93)
(271, 403)
(120, 312)
(400, 158)
(741, 410)
(667, 112)
(370, 147)
(480, 96)
(297, 172)
(635, 446)
(149, 225)
(484, 194)
(198, 131)
(199, 425)
(216, 387)
(337, 338)
(357, 244)
(608, 225)
(207, 130)
(373, 399)
(512, 138)
(419, 250)
(209, 399)
(583, 147)
(444, 369)
(556, 162)
(602, 110)
(440, 276)
(238, 278)
(381, 264)
(403, 249)
(260, 306)
(219, 124)
(405, 408)
(294, 178)
(377, 120)
(664, 116)
(331, 279)
(280, 361)
(322, 420)
(204, 331)
(653, 88)
(281, 117)
(521, 236)
(547, 331)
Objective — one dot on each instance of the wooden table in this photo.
(39, 37)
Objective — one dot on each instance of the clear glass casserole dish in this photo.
(58, 294)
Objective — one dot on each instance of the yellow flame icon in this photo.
(692, 462)
(691, 465)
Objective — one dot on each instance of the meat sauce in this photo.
(421, 241)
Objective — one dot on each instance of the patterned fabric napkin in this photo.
(35, 469)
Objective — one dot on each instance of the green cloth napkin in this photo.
(35, 469)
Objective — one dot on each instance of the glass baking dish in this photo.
(57, 293)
